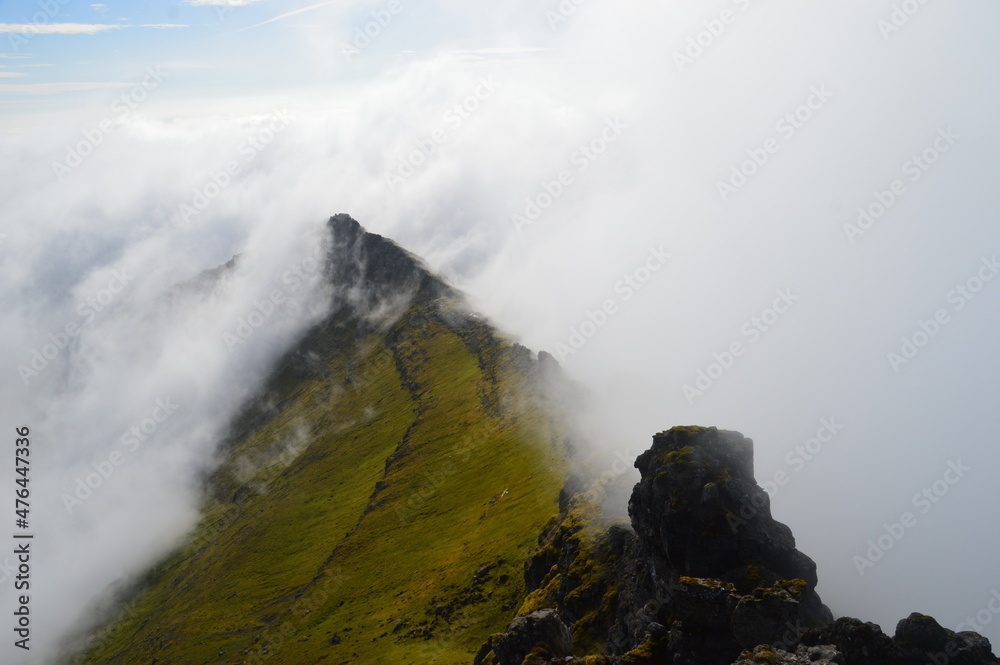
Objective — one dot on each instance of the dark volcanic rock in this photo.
(919, 640)
(542, 632)
(700, 512)
(818, 655)
(920, 633)
(369, 270)
(705, 576)
(764, 619)
(861, 643)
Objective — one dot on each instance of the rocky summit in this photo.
(374, 501)
(704, 576)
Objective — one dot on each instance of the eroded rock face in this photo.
(699, 512)
(862, 643)
(706, 528)
(803, 655)
(542, 633)
(919, 640)
(705, 576)
(370, 271)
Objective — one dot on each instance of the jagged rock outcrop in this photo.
(919, 640)
(699, 512)
(372, 273)
(703, 573)
(542, 633)
(803, 655)
(863, 642)
(699, 515)
(705, 576)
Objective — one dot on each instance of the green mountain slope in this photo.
(376, 503)
(402, 491)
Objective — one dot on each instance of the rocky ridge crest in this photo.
(704, 576)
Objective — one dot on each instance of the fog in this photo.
(566, 175)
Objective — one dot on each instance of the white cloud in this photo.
(56, 28)
(99, 7)
(67, 86)
(184, 65)
(73, 28)
(280, 17)
(654, 185)
(501, 50)
(11, 74)
(222, 3)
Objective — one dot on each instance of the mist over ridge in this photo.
(869, 212)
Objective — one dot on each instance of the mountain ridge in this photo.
(409, 487)
(374, 442)
(696, 580)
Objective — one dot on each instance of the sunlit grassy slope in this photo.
(376, 505)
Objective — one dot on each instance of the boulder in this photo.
(543, 629)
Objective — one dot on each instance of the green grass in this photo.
(362, 543)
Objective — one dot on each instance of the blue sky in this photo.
(53, 55)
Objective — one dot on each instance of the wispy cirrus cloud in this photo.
(56, 28)
(222, 3)
(279, 17)
(55, 88)
(75, 28)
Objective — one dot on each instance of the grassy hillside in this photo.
(376, 505)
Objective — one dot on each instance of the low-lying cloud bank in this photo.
(770, 220)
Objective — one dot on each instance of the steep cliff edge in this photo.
(704, 576)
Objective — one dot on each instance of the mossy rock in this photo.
(706, 583)
(764, 653)
(687, 431)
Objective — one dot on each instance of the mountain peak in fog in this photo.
(410, 481)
